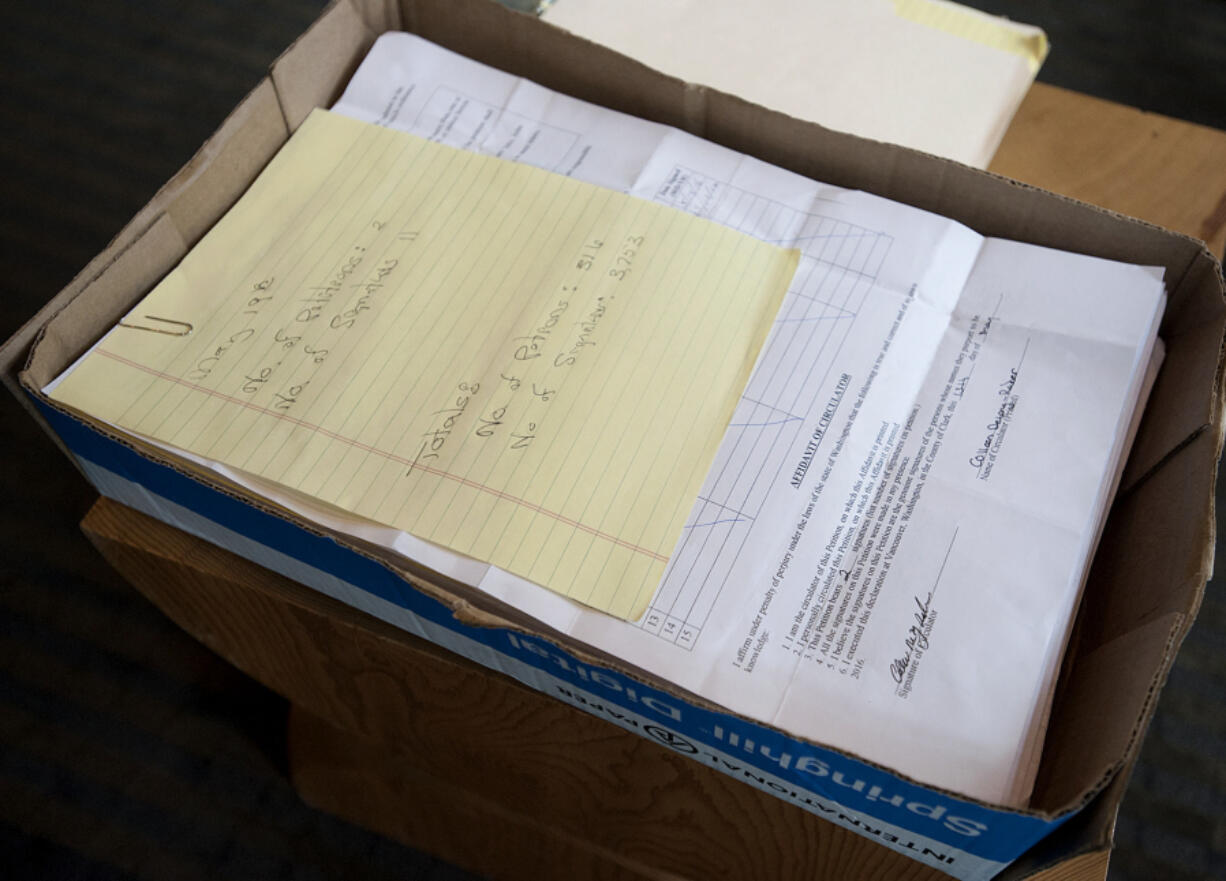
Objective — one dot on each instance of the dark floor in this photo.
(1167, 56)
(130, 752)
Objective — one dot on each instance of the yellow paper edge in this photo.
(978, 27)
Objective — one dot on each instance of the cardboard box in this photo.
(1147, 578)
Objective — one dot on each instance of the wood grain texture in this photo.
(364, 782)
(1145, 165)
(1079, 868)
(400, 736)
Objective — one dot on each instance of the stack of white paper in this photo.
(928, 74)
(887, 553)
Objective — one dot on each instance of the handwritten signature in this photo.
(917, 638)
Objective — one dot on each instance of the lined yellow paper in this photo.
(1029, 43)
(524, 368)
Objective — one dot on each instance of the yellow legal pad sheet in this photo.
(525, 368)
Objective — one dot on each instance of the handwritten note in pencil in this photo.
(522, 367)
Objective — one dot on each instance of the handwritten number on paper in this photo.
(491, 422)
(522, 441)
(285, 400)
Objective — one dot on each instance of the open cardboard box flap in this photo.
(1156, 553)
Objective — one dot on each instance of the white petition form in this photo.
(890, 545)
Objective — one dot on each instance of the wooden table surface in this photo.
(375, 734)
(1163, 170)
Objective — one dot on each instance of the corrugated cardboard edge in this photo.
(344, 22)
(233, 136)
(1089, 831)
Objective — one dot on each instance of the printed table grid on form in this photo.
(450, 117)
(838, 267)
